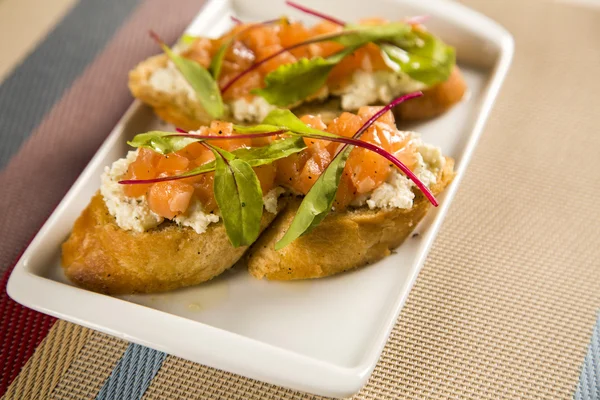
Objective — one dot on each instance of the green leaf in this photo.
(419, 54)
(276, 150)
(317, 203)
(162, 142)
(217, 61)
(254, 156)
(281, 120)
(186, 39)
(206, 88)
(208, 167)
(359, 35)
(257, 156)
(291, 83)
(239, 197)
(426, 59)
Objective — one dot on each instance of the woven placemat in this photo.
(506, 302)
(56, 109)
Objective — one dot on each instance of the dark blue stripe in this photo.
(589, 380)
(132, 374)
(38, 83)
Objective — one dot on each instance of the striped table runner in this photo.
(505, 305)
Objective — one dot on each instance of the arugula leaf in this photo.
(426, 59)
(208, 167)
(206, 88)
(291, 83)
(359, 35)
(217, 61)
(281, 120)
(256, 156)
(417, 53)
(317, 203)
(162, 142)
(166, 142)
(239, 197)
(186, 38)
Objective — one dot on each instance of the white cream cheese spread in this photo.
(397, 191)
(365, 88)
(378, 87)
(134, 214)
(170, 80)
(131, 213)
(250, 110)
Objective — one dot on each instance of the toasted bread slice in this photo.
(185, 113)
(343, 241)
(435, 100)
(104, 258)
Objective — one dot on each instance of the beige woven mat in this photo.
(505, 304)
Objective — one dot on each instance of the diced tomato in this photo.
(170, 198)
(254, 43)
(200, 51)
(367, 169)
(289, 168)
(203, 190)
(313, 168)
(347, 124)
(144, 167)
(293, 33)
(315, 122)
(271, 65)
(263, 36)
(346, 192)
(367, 112)
(242, 86)
(172, 163)
(266, 175)
(194, 150)
(225, 130)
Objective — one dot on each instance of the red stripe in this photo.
(21, 330)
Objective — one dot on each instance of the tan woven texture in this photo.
(90, 370)
(50, 361)
(506, 302)
(505, 305)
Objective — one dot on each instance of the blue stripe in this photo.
(132, 374)
(31, 90)
(589, 380)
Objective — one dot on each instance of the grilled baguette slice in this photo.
(435, 100)
(102, 257)
(185, 113)
(343, 241)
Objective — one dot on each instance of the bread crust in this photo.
(187, 114)
(102, 257)
(435, 100)
(343, 241)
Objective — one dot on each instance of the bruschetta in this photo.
(165, 234)
(375, 209)
(334, 67)
(312, 198)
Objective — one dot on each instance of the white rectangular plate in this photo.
(321, 336)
